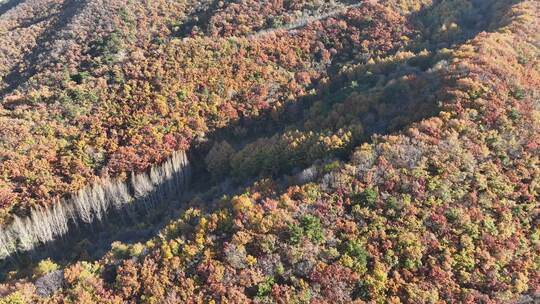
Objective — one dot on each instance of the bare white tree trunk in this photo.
(24, 232)
(59, 219)
(7, 244)
(39, 220)
(142, 185)
(93, 202)
(81, 202)
(117, 193)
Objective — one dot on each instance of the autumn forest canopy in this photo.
(269, 151)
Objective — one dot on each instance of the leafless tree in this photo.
(91, 203)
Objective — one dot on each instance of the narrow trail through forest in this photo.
(303, 22)
(49, 237)
(91, 240)
(201, 20)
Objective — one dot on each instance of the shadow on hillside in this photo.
(9, 5)
(28, 67)
(87, 241)
(198, 20)
(439, 30)
(31, 22)
(92, 241)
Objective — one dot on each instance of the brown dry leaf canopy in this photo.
(417, 124)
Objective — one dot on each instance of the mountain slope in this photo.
(445, 210)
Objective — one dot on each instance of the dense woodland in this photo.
(343, 151)
(97, 100)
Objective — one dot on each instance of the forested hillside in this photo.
(272, 151)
